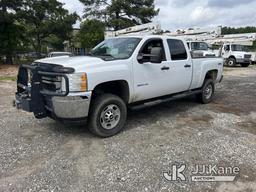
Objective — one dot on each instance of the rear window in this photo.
(177, 49)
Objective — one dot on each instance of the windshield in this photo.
(117, 48)
(199, 46)
(238, 48)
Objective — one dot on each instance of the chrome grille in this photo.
(247, 56)
(51, 83)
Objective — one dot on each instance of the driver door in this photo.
(150, 78)
(225, 51)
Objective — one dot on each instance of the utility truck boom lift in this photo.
(232, 47)
(144, 29)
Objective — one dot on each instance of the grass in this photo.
(8, 78)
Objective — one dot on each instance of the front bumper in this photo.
(243, 60)
(32, 96)
(69, 107)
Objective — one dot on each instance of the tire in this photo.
(231, 62)
(245, 64)
(207, 94)
(107, 115)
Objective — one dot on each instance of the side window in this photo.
(177, 49)
(146, 50)
(227, 47)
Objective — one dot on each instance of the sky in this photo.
(183, 14)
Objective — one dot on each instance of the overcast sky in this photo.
(181, 14)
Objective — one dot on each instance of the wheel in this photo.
(231, 62)
(207, 93)
(245, 64)
(107, 115)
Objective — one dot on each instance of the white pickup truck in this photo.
(121, 72)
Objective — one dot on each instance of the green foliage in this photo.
(8, 78)
(55, 42)
(231, 30)
(46, 19)
(11, 31)
(33, 24)
(91, 33)
(119, 14)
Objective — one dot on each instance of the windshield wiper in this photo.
(102, 55)
(107, 55)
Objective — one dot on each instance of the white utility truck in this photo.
(121, 72)
(235, 54)
(200, 47)
(232, 46)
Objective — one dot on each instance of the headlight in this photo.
(77, 82)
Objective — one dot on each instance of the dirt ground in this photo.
(44, 155)
(8, 70)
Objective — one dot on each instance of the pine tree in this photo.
(119, 14)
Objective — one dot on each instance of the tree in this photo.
(11, 29)
(119, 14)
(91, 33)
(46, 18)
(231, 30)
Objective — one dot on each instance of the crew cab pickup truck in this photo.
(120, 73)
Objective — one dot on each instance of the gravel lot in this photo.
(44, 155)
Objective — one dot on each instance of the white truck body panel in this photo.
(145, 80)
(253, 58)
(240, 56)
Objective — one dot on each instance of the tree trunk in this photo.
(9, 59)
(117, 26)
(38, 47)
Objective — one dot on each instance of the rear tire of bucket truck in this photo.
(231, 62)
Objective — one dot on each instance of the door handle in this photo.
(187, 65)
(165, 68)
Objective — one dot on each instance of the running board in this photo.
(162, 100)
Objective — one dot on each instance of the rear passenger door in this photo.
(179, 61)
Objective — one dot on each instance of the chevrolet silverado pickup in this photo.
(120, 73)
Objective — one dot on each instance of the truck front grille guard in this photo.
(247, 56)
(31, 94)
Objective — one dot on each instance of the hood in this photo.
(75, 62)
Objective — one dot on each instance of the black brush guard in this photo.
(30, 95)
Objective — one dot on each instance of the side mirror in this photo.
(156, 55)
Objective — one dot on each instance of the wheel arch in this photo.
(232, 57)
(116, 87)
(211, 74)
